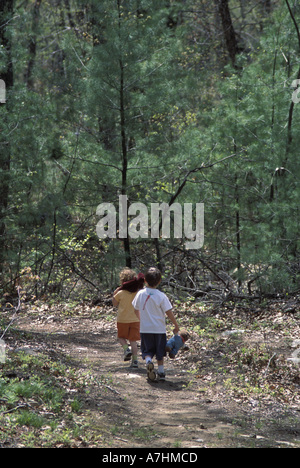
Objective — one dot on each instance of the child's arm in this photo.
(171, 316)
(114, 300)
(137, 313)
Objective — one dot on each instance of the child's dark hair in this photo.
(153, 277)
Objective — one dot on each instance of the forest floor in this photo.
(235, 387)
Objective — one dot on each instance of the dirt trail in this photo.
(191, 409)
(133, 411)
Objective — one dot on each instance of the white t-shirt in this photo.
(153, 305)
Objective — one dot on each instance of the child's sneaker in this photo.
(161, 377)
(127, 354)
(134, 365)
(150, 371)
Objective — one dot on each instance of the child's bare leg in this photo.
(123, 342)
(127, 351)
(134, 348)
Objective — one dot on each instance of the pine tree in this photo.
(137, 107)
(258, 192)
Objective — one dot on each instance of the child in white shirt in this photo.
(151, 307)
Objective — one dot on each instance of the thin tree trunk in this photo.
(32, 45)
(126, 241)
(6, 13)
(292, 105)
(238, 231)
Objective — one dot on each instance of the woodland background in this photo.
(162, 101)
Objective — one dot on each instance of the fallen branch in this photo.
(111, 389)
(193, 292)
(269, 363)
(17, 310)
(77, 271)
(14, 409)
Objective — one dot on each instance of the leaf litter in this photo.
(235, 386)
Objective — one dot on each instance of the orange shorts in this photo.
(129, 331)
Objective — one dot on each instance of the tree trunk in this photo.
(126, 241)
(6, 14)
(228, 30)
(32, 44)
(292, 105)
(238, 231)
(267, 5)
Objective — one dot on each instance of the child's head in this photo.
(153, 277)
(127, 275)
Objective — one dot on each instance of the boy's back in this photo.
(153, 305)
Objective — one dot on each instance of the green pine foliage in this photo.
(140, 98)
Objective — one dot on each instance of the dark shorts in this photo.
(153, 344)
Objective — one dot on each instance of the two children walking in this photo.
(142, 315)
